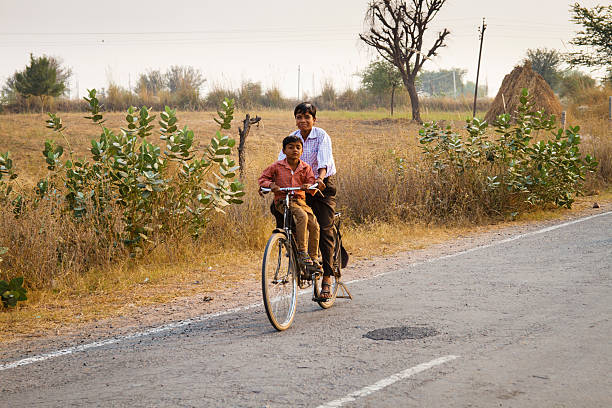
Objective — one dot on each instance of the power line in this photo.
(345, 29)
(229, 31)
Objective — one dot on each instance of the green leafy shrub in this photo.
(8, 196)
(12, 292)
(158, 192)
(513, 168)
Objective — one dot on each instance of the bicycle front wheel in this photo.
(278, 282)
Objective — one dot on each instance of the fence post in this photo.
(563, 118)
(244, 132)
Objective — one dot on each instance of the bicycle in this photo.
(282, 274)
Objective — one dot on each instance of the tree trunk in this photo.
(392, 98)
(414, 100)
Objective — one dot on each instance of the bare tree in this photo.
(396, 29)
(244, 133)
(152, 82)
(183, 77)
(596, 36)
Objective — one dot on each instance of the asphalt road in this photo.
(521, 323)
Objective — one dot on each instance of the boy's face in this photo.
(293, 150)
(304, 121)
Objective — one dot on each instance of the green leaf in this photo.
(16, 283)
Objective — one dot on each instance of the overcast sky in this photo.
(263, 41)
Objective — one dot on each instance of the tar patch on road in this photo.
(401, 333)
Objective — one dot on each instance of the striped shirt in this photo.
(280, 173)
(317, 151)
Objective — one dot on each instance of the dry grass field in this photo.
(367, 146)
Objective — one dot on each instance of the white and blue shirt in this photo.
(317, 151)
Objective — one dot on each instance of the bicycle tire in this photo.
(279, 282)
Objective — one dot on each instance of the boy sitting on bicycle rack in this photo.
(293, 172)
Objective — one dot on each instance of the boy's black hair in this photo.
(292, 139)
(306, 107)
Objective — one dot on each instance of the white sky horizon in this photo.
(235, 42)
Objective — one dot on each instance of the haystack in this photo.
(540, 93)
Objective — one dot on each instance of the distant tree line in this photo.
(43, 85)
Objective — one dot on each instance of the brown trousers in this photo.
(305, 224)
(324, 208)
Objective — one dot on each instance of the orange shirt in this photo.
(281, 174)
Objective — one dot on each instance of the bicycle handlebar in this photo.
(267, 190)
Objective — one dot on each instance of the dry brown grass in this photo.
(380, 210)
(589, 110)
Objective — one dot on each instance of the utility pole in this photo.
(298, 93)
(481, 31)
(313, 87)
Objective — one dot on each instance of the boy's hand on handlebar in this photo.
(305, 186)
(274, 188)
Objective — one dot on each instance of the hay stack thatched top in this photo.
(540, 93)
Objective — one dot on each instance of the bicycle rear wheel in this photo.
(278, 282)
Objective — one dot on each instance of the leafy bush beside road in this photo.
(129, 196)
(12, 292)
(156, 191)
(514, 168)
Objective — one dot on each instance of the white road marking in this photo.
(385, 382)
(187, 322)
(154, 330)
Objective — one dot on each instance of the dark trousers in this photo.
(324, 208)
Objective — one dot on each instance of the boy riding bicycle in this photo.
(293, 172)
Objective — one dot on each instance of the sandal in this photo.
(304, 258)
(325, 289)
